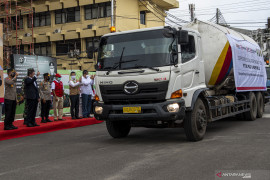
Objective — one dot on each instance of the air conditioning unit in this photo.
(70, 54)
(77, 52)
(57, 31)
(90, 26)
(27, 35)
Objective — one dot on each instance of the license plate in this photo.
(132, 110)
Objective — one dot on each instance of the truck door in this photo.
(192, 67)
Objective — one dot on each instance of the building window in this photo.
(67, 15)
(92, 43)
(108, 9)
(63, 47)
(40, 19)
(142, 17)
(99, 10)
(19, 22)
(95, 11)
(43, 49)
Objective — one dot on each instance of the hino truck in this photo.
(173, 77)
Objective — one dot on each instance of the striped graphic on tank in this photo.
(223, 65)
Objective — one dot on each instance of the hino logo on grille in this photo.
(131, 87)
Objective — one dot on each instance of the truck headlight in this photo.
(98, 109)
(173, 107)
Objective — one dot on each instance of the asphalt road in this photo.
(90, 153)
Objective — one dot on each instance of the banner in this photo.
(1, 65)
(42, 64)
(248, 65)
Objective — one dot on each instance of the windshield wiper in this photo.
(149, 67)
(118, 64)
(120, 60)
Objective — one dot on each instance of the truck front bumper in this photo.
(154, 111)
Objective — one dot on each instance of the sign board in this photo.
(248, 65)
(1, 64)
(42, 64)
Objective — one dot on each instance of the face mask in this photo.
(48, 78)
(59, 79)
(73, 77)
(87, 76)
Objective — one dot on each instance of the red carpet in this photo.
(44, 127)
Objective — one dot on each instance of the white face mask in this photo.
(87, 76)
(73, 77)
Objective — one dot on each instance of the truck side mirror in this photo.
(182, 37)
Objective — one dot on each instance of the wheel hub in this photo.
(201, 118)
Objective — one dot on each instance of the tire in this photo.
(195, 122)
(260, 105)
(118, 129)
(252, 113)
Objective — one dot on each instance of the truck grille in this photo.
(147, 92)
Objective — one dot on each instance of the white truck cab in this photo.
(159, 77)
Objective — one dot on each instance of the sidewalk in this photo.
(44, 127)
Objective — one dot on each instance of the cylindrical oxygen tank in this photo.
(216, 50)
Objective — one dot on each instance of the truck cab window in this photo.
(188, 50)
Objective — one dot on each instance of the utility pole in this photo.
(192, 10)
(112, 13)
(217, 16)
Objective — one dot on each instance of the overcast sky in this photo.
(252, 14)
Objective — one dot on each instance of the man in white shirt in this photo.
(74, 95)
(87, 92)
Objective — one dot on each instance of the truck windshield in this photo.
(133, 50)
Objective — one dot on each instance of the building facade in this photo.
(62, 28)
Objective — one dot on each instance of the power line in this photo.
(243, 4)
(247, 23)
(254, 10)
(169, 14)
(159, 13)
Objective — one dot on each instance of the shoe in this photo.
(43, 121)
(24, 123)
(30, 125)
(78, 117)
(85, 117)
(8, 128)
(55, 119)
(48, 120)
(14, 127)
(73, 118)
(61, 119)
(36, 124)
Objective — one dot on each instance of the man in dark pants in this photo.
(10, 99)
(74, 95)
(45, 95)
(32, 96)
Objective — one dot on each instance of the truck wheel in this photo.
(195, 122)
(118, 129)
(252, 113)
(260, 105)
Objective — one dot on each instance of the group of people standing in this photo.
(83, 87)
(33, 94)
